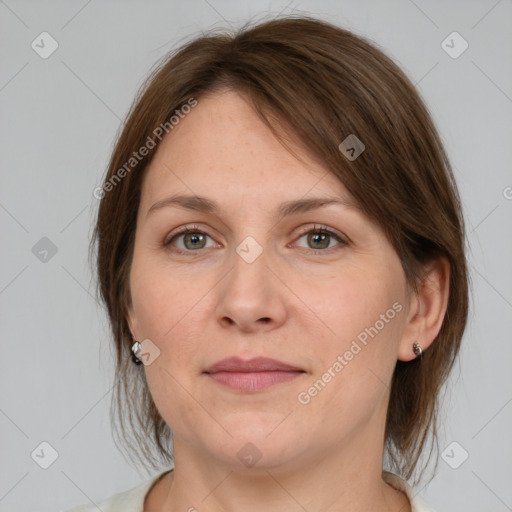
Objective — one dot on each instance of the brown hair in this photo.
(326, 83)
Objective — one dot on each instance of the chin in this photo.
(254, 446)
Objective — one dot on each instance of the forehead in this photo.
(223, 148)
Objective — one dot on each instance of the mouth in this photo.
(252, 375)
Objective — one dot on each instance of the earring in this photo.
(135, 349)
(416, 347)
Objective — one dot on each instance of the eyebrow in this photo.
(288, 208)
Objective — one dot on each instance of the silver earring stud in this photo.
(135, 349)
(417, 349)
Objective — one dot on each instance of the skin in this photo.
(293, 303)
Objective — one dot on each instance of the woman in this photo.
(281, 253)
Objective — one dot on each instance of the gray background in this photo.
(59, 117)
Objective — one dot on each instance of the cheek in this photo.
(163, 298)
(168, 313)
(353, 299)
(362, 317)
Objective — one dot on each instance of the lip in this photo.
(256, 364)
(252, 375)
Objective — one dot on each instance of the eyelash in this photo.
(316, 229)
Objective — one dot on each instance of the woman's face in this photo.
(254, 279)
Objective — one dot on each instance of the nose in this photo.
(252, 297)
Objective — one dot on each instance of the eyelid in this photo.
(326, 229)
(183, 230)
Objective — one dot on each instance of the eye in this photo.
(320, 237)
(193, 239)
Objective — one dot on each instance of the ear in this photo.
(427, 309)
(132, 322)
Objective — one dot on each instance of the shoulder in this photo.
(131, 500)
(417, 504)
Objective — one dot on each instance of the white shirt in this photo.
(133, 499)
